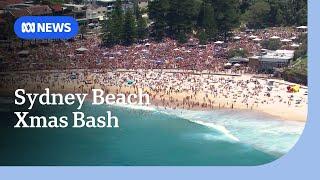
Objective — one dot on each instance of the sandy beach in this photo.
(174, 89)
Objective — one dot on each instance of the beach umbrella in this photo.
(176, 49)
(237, 65)
(159, 62)
(227, 64)
(293, 38)
(130, 82)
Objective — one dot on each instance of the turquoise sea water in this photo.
(149, 136)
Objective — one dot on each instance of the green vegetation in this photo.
(303, 49)
(298, 73)
(265, 13)
(272, 44)
(209, 19)
(218, 17)
(124, 27)
(238, 52)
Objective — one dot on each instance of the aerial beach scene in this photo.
(227, 81)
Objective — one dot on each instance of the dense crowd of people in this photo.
(87, 53)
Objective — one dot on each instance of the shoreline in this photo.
(157, 103)
(164, 93)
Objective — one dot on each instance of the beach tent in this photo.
(144, 50)
(293, 88)
(218, 42)
(293, 38)
(179, 58)
(159, 61)
(295, 45)
(91, 24)
(23, 53)
(275, 37)
(302, 27)
(237, 38)
(257, 39)
(227, 65)
(286, 40)
(296, 88)
(147, 44)
(253, 37)
(82, 49)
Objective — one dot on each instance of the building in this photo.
(109, 4)
(143, 4)
(271, 60)
(6, 3)
(38, 10)
(96, 13)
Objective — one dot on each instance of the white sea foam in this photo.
(219, 128)
(262, 132)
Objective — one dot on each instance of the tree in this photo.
(82, 30)
(206, 20)
(257, 15)
(108, 38)
(116, 27)
(227, 15)
(158, 11)
(142, 30)
(276, 14)
(113, 28)
(181, 17)
(129, 28)
(203, 39)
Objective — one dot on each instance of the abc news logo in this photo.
(46, 27)
(28, 27)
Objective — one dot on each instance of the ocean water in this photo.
(148, 136)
